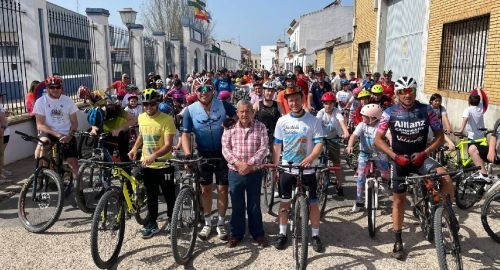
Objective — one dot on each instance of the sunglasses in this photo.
(55, 87)
(406, 91)
(146, 104)
(204, 88)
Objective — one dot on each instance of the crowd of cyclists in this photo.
(302, 114)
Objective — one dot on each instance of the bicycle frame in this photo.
(462, 148)
(121, 174)
(371, 177)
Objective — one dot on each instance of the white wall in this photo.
(232, 49)
(267, 53)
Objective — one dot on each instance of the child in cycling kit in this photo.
(365, 131)
(344, 95)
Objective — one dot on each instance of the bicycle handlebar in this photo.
(111, 163)
(290, 167)
(30, 138)
(411, 179)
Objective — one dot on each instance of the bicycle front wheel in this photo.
(370, 208)
(300, 233)
(89, 186)
(37, 214)
(266, 187)
(108, 228)
(323, 183)
(142, 214)
(490, 216)
(446, 238)
(467, 192)
(184, 225)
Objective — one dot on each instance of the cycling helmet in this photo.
(133, 96)
(388, 72)
(149, 95)
(364, 93)
(191, 98)
(53, 80)
(291, 76)
(372, 110)
(224, 95)
(368, 73)
(356, 91)
(165, 107)
(258, 77)
(292, 91)
(368, 85)
(328, 96)
(377, 89)
(344, 82)
(95, 116)
(83, 92)
(202, 81)
(405, 82)
(160, 82)
(237, 80)
(269, 85)
(132, 87)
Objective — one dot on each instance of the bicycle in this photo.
(269, 187)
(325, 181)
(470, 189)
(187, 215)
(299, 218)
(436, 216)
(109, 214)
(372, 184)
(45, 188)
(490, 216)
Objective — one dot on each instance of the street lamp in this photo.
(128, 16)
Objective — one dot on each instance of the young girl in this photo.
(435, 102)
(365, 131)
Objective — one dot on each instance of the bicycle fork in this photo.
(374, 183)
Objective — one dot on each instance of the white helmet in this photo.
(372, 110)
(269, 85)
(405, 82)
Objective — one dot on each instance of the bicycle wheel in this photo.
(142, 214)
(271, 201)
(89, 186)
(370, 208)
(446, 238)
(86, 146)
(300, 233)
(490, 216)
(467, 192)
(39, 213)
(323, 183)
(108, 228)
(266, 187)
(184, 225)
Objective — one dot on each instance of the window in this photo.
(363, 57)
(81, 53)
(463, 54)
(56, 51)
(69, 52)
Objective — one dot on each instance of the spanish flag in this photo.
(199, 10)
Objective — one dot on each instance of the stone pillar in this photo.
(189, 50)
(102, 56)
(176, 43)
(137, 54)
(36, 40)
(161, 59)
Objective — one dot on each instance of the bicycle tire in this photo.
(300, 233)
(266, 187)
(98, 227)
(178, 222)
(273, 190)
(142, 214)
(370, 208)
(322, 193)
(47, 181)
(486, 221)
(85, 147)
(427, 222)
(86, 186)
(442, 222)
(467, 193)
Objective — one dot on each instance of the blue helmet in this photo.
(344, 82)
(95, 116)
(165, 107)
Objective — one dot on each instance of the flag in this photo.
(199, 10)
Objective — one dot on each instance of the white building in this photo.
(267, 56)
(232, 49)
(256, 61)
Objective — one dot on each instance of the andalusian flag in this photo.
(199, 10)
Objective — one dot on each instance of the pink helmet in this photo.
(372, 110)
(191, 98)
(356, 91)
(224, 95)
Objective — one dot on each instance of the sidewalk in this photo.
(21, 170)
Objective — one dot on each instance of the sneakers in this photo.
(68, 187)
(222, 232)
(340, 191)
(276, 194)
(398, 252)
(280, 242)
(357, 207)
(317, 245)
(149, 230)
(205, 232)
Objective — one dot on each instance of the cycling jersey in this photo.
(207, 127)
(366, 135)
(268, 116)
(331, 122)
(343, 98)
(224, 84)
(317, 91)
(409, 127)
(388, 89)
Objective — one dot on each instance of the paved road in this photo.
(67, 245)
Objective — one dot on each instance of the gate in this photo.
(71, 39)
(149, 56)
(13, 81)
(363, 58)
(120, 57)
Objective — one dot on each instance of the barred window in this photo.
(463, 54)
(363, 58)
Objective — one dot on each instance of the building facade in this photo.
(268, 57)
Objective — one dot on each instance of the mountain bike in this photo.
(299, 217)
(268, 187)
(490, 216)
(188, 212)
(437, 219)
(324, 179)
(109, 215)
(41, 199)
(469, 188)
(372, 186)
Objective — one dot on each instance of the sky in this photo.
(250, 23)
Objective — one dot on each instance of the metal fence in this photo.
(149, 56)
(463, 54)
(363, 58)
(71, 38)
(13, 82)
(120, 56)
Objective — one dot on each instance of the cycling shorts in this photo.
(288, 182)
(217, 167)
(68, 150)
(429, 165)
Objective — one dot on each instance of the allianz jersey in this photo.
(366, 135)
(298, 136)
(153, 131)
(409, 127)
(57, 112)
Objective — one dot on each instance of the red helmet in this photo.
(83, 92)
(53, 80)
(191, 98)
(328, 96)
